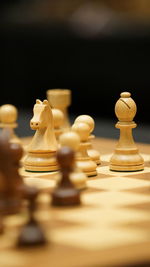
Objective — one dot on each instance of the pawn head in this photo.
(8, 113)
(82, 129)
(86, 119)
(70, 139)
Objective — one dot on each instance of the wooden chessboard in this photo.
(110, 228)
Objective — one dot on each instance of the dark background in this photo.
(95, 50)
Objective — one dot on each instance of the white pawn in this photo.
(84, 162)
(58, 118)
(8, 118)
(72, 140)
(94, 154)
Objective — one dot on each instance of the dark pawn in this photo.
(11, 183)
(65, 194)
(31, 234)
(1, 225)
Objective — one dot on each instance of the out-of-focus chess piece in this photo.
(65, 193)
(8, 118)
(31, 234)
(1, 225)
(58, 117)
(72, 140)
(83, 160)
(12, 188)
(93, 153)
(60, 99)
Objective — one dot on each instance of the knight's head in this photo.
(41, 115)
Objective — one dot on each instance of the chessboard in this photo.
(110, 228)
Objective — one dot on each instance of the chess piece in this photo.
(126, 156)
(84, 162)
(11, 184)
(65, 194)
(72, 140)
(41, 151)
(8, 118)
(58, 118)
(93, 154)
(60, 99)
(1, 225)
(31, 233)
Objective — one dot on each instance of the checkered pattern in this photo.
(115, 212)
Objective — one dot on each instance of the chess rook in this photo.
(60, 99)
(126, 156)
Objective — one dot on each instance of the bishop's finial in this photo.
(125, 108)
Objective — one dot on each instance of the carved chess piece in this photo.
(8, 118)
(84, 162)
(58, 118)
(41, 152)
(65, 194)
(126, 156)
(31, 233)
(93, 153)
(72, 140)
(60, 99)
(12, 188)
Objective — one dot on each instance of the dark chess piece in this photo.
(65, 194)
(1, 225)
(31, 233)
(11, 184)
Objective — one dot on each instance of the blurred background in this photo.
(96, 48)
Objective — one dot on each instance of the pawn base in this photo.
(127, 168)
(94, 155)
(31, 235)
(88, 167)
(90, 174)
(65, 197)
